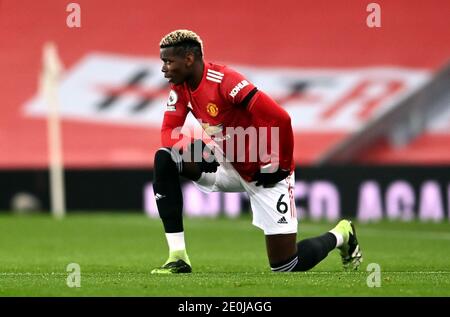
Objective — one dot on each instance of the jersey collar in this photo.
(205, 69)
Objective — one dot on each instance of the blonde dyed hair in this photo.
(180, 37)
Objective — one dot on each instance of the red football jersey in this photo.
(219, 104)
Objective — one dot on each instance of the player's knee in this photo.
(163, 157)
(288, 265)
(167, 162)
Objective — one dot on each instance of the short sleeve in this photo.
(235, 87)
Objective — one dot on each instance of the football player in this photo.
(252, 152)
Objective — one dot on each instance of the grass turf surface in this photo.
(116, 253)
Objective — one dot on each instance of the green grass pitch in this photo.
(116, 253)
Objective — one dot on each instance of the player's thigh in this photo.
(274, 208)
(191, 171)
(225, 179)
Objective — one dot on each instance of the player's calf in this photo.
(167, 189)
(309, 253)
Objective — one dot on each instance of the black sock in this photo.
(167, 189)
(311, 251)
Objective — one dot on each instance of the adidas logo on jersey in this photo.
(282, 220)
(238, 88)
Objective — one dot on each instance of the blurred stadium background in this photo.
(370, 106)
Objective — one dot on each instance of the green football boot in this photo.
(178, 262)
(350, 251)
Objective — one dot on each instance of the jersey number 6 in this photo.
(281, 205)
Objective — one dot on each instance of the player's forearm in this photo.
(286, 146)
(266, 112)
(285, 142)
(171, 135)
(167, 137)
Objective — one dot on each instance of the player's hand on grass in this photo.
(268, 177)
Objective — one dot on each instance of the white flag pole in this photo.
(49, 90)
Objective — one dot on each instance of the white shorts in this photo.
(273, 208)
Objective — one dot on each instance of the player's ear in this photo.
(189, 59)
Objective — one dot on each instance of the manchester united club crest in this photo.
(212, 109)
